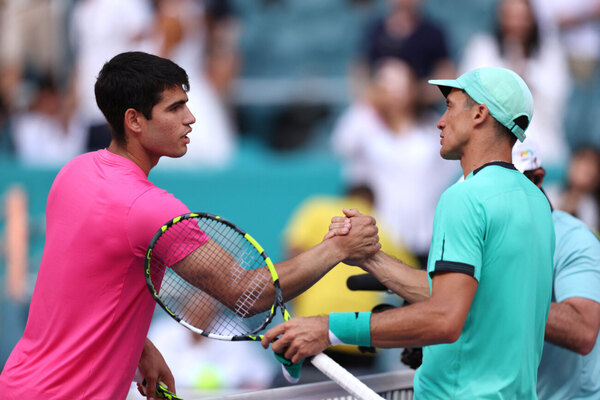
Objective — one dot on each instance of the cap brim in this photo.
(445, 85)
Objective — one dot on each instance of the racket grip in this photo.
(345, 379)
(161, 391)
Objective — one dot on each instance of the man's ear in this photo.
(538, 176)
(480, 114)
(132, 120)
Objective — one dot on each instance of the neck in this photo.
(483, 154)
(139, 158)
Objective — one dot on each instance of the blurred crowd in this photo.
(51, 52)
(380, 122)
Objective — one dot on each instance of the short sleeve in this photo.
(148, 213)
(458, 234)
(577, 265)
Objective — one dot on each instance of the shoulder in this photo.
(150, 210)
(500, 183)
(573, 229)
(464, 189)
(458, 201)
(78, 165)
(155, 200)
(82, 159)
(568, 222)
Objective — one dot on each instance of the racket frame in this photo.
(278, 303)
(325, 364)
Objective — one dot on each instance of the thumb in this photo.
(329, 235)
(351, 212)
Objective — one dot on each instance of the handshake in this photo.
(356, 236)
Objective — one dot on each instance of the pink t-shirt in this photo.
(91, 309)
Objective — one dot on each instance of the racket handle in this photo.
(345, 379)
(161, 391)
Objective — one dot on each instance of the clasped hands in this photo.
(357, 235)
(303, 337)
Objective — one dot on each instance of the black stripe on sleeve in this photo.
(451, 266)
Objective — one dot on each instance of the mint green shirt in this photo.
(564, 374)
(495, 226)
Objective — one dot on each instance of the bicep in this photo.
(205, 265)
(439, 319)
(453, 292)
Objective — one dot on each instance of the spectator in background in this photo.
(404, 33)
(570, 366)
(388, 143)
(577, 23)
(581, 195)
(48, 134)
(517, 44)
(32, 37)
(100, 29)
(307, 227)
(183, 33)
(222, 53)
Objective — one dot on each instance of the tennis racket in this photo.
(216, 280)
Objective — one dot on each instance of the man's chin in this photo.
(177, 155)
(447, 155)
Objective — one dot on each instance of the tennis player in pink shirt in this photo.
(90, 311)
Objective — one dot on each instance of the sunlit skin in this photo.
(469, 133)
(455, 126)
(165, 134)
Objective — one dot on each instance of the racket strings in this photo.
(250, 296)
(211, 277)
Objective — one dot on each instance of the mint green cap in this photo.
(504, 93)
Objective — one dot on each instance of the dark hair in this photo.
(135, 80)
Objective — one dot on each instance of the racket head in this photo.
(222, 275)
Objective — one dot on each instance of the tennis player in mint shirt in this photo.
(489, 227)
(480, 308)
(570, 366)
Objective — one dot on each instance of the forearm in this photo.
(569, 328)
(420, 324)
(300, 272)
(440, 319)
(409, 283)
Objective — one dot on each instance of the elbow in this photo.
(585, 350)
(586, 346)
(448, 331)
(451, 335)
(582, 344)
